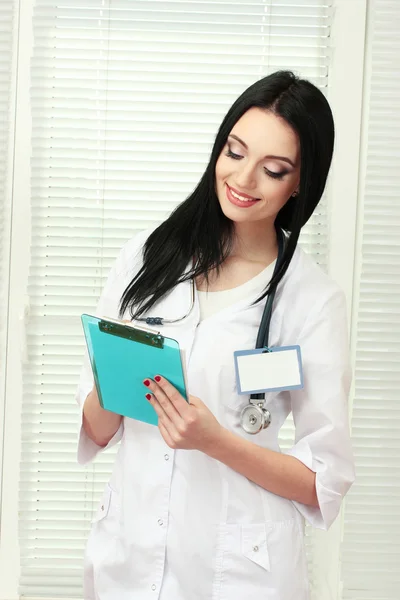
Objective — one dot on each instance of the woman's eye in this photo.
(275, 175)
(233, 155)
(272, 174)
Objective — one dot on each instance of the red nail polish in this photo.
(157, 378)
(148, 396)
(146, 382)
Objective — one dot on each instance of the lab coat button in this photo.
(166, 456)
(255, 548)
(160, 522)
(154, 587)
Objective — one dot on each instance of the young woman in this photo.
(198, 508)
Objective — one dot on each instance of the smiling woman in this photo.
(275, 146)
(246, 175)
(195, 509)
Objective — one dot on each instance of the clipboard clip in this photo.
(129, 332)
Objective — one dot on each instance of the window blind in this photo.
(371, 550)
(6, 54)
(127, 96)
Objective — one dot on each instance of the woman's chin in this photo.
(238, 215)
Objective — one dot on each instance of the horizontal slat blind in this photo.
(7, 8)
(371, 552)
(127, 97)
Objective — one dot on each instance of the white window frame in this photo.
(8, 207)
(345, 95)
(19, 174)
(346, 85)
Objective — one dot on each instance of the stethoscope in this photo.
(254, 416)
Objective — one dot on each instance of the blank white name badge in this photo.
(268, 370)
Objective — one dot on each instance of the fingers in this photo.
(172, 393)
(167, 428)
(160, 400)
(161, 414)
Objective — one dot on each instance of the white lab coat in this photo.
(178, 525)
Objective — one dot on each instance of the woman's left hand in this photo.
(183, 425)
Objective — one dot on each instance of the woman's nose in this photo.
(246, 178)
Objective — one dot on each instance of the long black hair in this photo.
(198, 231)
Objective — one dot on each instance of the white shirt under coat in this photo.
(179, 525)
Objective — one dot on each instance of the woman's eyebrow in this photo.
(284, 158)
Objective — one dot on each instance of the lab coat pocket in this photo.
(104, 506)
(102, 541)
(261, 560)
(254, 545)
(244, 562)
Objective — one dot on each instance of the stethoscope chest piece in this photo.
(254, 418)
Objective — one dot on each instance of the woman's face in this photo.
(259, 168)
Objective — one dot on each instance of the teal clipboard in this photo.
(122, 356)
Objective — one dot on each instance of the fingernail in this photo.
(157, 378)
(146, 382)
(148, 396)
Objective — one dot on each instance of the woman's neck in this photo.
(255, 242)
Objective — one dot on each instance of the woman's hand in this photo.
(183, 425)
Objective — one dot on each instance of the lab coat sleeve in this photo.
(108, 306)
(87, 448)
(320, 409)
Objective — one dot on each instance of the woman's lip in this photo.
(242, 194)
(236, 201)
